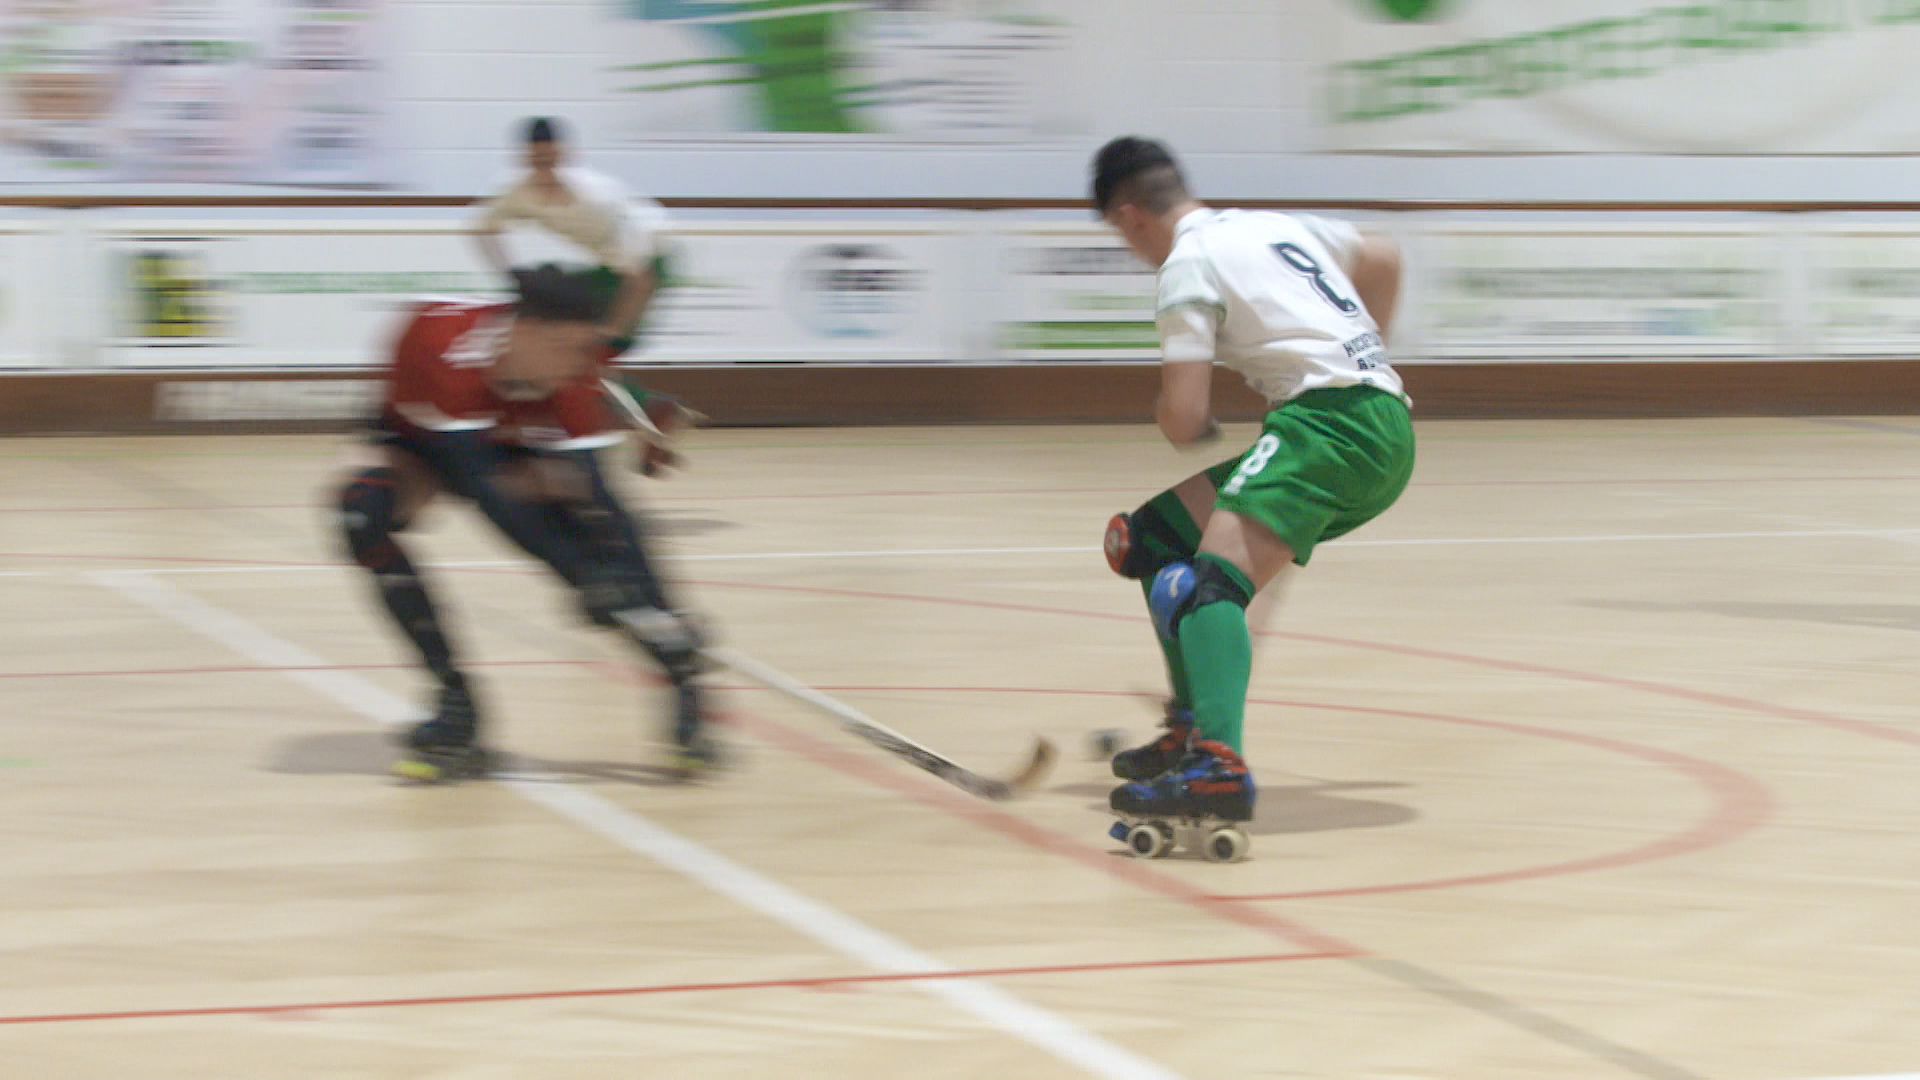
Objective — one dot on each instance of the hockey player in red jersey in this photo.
(503, 405)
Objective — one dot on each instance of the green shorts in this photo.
(1326, 463)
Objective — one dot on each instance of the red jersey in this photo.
(442, 381)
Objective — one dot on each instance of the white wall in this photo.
(1230, 83)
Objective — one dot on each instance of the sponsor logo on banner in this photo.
(853, 290)
(280, 399)
(173, 296)
(1077, 298)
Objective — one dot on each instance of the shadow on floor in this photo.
(1304, 808)
(1876, 616)
(371, 753)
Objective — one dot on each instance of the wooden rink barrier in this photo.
(797, 395)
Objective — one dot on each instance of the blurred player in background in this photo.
(594, 212)
(1297, 305)
(502, 405)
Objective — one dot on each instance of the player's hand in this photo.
(657, 454)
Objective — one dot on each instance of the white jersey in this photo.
(1268, 295)
(601, 217)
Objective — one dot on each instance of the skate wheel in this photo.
(1227, 845)
(419, 772)
(1150, 841)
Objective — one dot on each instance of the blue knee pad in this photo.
(1171, 597)
(1181, 587)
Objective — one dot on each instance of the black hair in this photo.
(550, 292)
(1139, 171)
(543, 129)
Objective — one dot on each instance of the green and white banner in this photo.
(1625, 76)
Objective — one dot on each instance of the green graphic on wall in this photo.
(786, 57)
(849, 67)
(1411, 10)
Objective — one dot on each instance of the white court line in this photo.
(839, 932)
(1903, 535)
(1623, 538)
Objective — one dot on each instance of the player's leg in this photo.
(662, 629)
(470, 465)
(1203, 606)
(1163, 531)
(626, 593)
(377, 503)
(1323, 465)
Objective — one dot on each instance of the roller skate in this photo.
(697, 754)
(445, 748)
(1203, 798)
(1163, 753)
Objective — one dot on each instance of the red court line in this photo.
(827, 982)
(1741, 803)
(155, 509)
(1139, 492)
(248, 669)
(939, 796)
(1764, 708)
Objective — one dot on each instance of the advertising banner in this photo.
(282, 294)
(1490, 292)
(1863, 290)
(1072, 293)
(827, 293)
(234, 91)
(1623, 76)
(28, 305)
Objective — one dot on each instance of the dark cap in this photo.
(1121, 160)
(543, 129)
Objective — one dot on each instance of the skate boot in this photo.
(1163, 753)
(445, 748)
(697, 753)
(1204, 797)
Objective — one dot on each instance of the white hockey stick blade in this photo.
(1030, 775)
(631, 409)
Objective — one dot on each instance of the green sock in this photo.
(1174, 513)
(1218, 652)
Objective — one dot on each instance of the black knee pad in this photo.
(1211, 584)
(1153, 544)
(368, 505)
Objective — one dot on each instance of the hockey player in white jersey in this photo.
(1298, 306)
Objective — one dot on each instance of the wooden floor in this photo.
(1596, 757)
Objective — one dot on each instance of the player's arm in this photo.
(1184, 410)
(1191, 309)
(633, 258)
(637, 287)
(1375, 273)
